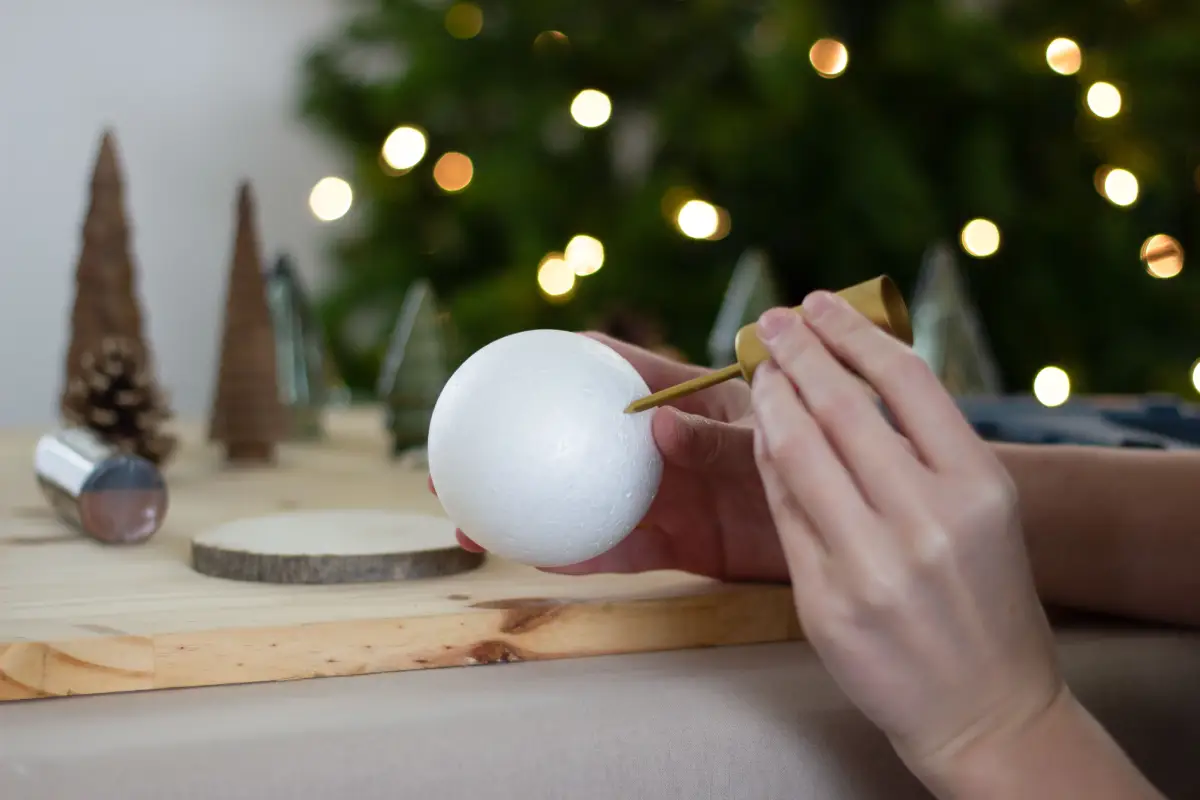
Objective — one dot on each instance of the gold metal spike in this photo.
(878, 299)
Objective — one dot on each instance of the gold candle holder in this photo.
(878, 299)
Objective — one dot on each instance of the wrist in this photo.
(1061, 752)
(972, 769)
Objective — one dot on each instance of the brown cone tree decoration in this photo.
(116, 397)
(247, 414)
(106, 302)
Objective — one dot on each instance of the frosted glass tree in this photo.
(751, 291)
(300, 351)
(338, 394)
(947, 331)
(416, 367)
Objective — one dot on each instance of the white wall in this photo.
(200, 93)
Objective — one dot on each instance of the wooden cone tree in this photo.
(106, 304)
(247, 415)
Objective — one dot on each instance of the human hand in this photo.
(904, 546)
(710, 516)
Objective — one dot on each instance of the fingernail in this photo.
(818, 304)
(773, 322)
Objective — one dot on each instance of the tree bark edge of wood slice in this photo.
(325, 570)
(303, 548)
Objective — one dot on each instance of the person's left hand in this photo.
(710, 516)
(905, 547)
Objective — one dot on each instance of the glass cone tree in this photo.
(947, 331)
(751, 291)
(300, 351)
(415, 368)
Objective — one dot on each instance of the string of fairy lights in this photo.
(559, 271)
(1161, 254)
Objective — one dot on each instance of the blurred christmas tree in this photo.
(839, 138)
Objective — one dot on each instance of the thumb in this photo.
(694, 442)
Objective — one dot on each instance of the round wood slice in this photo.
(332, 546)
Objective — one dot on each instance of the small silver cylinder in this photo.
(113, 497)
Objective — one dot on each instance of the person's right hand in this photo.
(710, 516)
(905, 544)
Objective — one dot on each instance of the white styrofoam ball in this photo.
(532, 454)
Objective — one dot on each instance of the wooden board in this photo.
(77, 617)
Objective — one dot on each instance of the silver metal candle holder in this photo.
(113, 497)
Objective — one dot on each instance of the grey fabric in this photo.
(748, 722)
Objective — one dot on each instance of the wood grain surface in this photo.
(79, 617)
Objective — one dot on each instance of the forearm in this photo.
(1112, 530)
(1063, 753)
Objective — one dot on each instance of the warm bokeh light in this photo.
(548, 41)
(585, 254)
(829, 57)
(1162, 256)
(673, 200)
(404, 148)
(697, 219)
(1196, 375)
(1119, 187)
(330, 199)
(464, 20)
(1051, 386)
(980, 238)
(1064, 56)
(452, 172)
(724, 225)
(591, 108)
(1103, 100)
(555, 277)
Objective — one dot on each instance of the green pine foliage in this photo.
(943, 115)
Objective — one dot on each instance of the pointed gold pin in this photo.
(878, 299)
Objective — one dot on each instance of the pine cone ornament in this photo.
(116, 397)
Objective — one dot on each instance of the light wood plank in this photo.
(78, 617)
